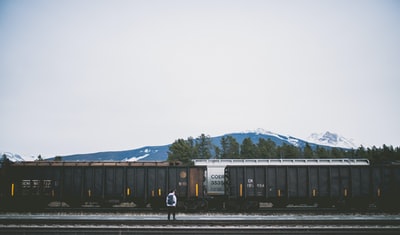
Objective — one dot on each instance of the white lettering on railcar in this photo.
(217, 182)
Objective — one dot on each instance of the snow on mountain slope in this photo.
(12, 157)
(146, 153)
(332, 140)
(287, 138)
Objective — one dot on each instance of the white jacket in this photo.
(175, 200)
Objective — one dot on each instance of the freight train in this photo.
(207, 184)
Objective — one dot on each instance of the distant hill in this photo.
(160, 153)
(151, 153)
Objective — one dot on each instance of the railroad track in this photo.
(196, 224)
(298, 209)
(78, 230)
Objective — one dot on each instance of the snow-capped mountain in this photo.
(11, 156)
(332, 140)
(160, 153)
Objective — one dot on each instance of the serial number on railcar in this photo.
(215, 182)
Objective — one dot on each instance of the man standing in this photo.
(171, 202)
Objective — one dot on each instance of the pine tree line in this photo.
(202, 148)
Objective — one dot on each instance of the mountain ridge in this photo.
(160, 153)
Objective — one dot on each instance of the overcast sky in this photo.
(90, 76)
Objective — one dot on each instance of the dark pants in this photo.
(171, 210)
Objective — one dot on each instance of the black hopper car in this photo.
(326, 183)
(41, 184)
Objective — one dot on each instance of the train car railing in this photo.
(279, 162)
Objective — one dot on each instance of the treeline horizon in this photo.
(202, 148)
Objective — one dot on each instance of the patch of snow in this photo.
(135, 159)
(11, 156)
(293, 141)
(261, 131)
(147, 150)
(288, 138)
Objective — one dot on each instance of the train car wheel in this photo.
(233, 205)
(157, 204)
(359, 203)
(280, 204)
(250, 206)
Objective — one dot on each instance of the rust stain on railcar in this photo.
(196, 182)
